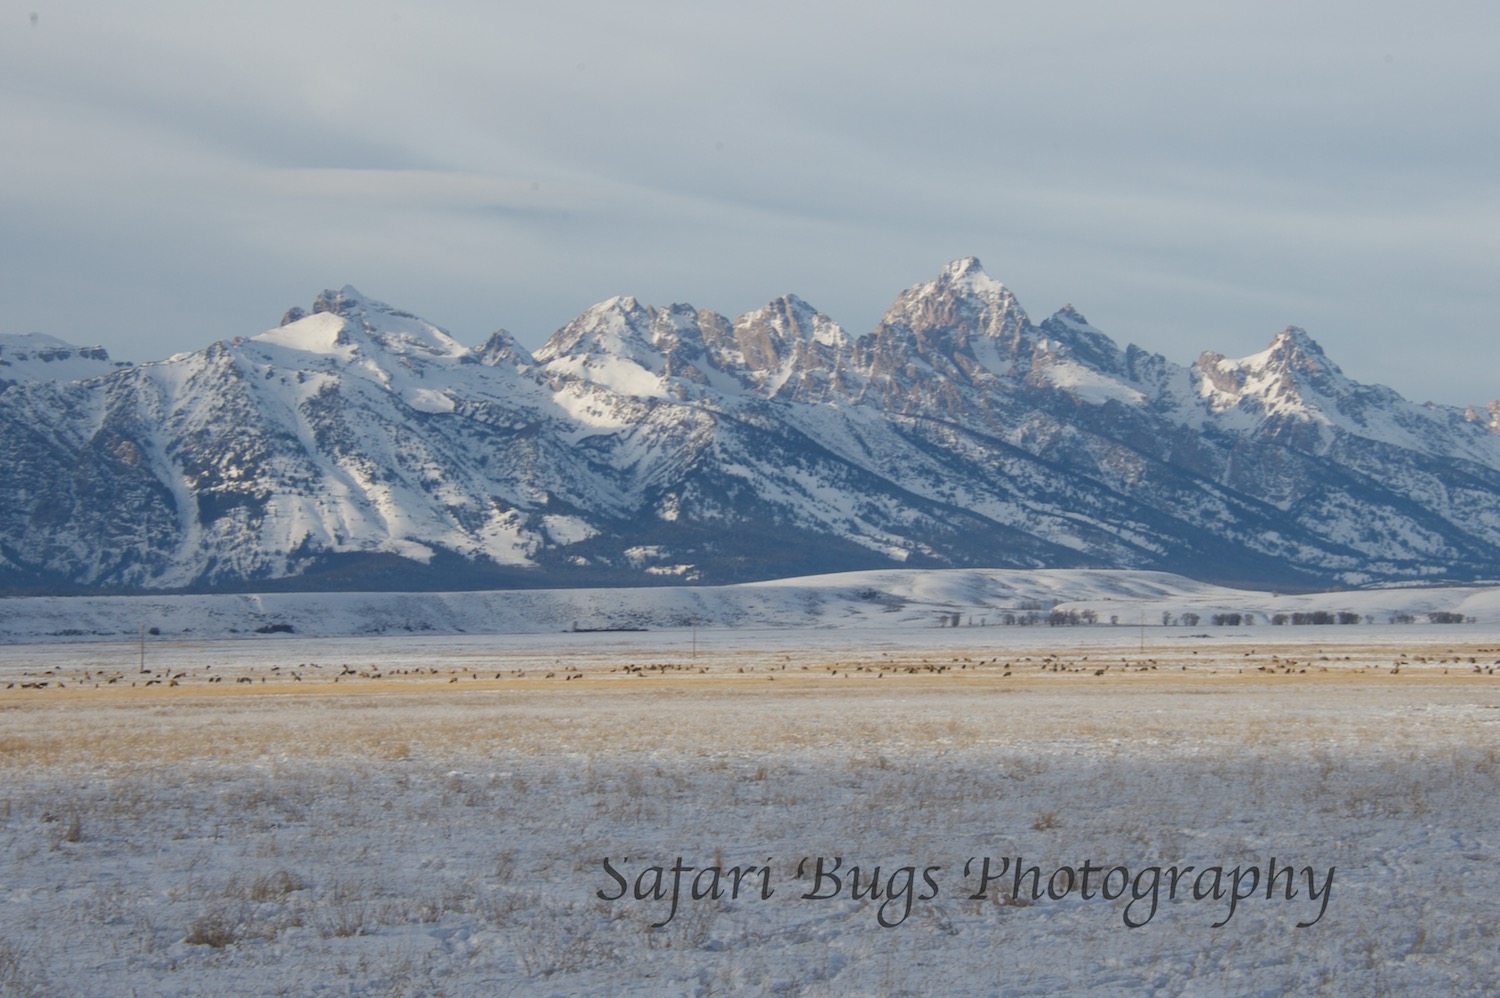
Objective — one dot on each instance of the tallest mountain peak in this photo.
(964, 284)
(963, 325)
(966, 279)
(969, 273)
(967, 267)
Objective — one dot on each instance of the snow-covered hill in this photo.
(885, 600)
(37, 357)
(356, 446)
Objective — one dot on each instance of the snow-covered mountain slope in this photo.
(38, 357)
(358, 446)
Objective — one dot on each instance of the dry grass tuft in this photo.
(216, 928)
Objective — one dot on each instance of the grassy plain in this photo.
(436, 820)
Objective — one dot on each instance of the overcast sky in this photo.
(1190, 175)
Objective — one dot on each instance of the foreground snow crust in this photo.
(445, 833)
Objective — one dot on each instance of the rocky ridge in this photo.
(357, 446)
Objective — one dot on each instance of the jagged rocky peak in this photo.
(1489, 416)
(1294, 386)
(969, 272)
(623, 327)
(1293, 347)
(502, 349)
(1220, 373)
(962, 299)
(1291, 353)
(684, 331)
(1068, 328)
(678, 342)
(347, 301)
(964, 326)
(608, 327)
(1296, 363)
(787, 330)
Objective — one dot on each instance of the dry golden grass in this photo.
(1280, 695)
(227, 669)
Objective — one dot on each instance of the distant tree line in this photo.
(1071, 618)
(1317, 617)
(1032, 615)
(1435, 617)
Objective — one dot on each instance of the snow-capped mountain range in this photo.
(356, 446)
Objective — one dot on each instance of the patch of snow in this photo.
(315, 334)
(1088, 384)
(568, 529)
(429, 400)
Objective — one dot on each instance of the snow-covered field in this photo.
(441, 824)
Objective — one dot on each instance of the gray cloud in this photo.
(1189, 177)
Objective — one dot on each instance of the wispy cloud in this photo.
(1177, 170)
